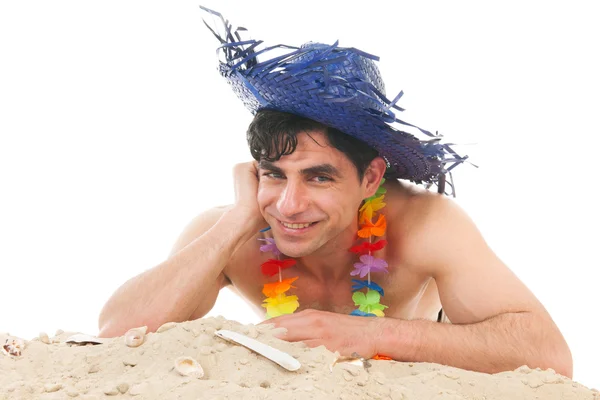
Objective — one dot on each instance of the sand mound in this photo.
(57, 370)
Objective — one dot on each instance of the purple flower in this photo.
(369, 264)
(270, 246)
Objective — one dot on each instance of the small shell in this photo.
(44, 338)
(13, 346)
(135, 336)
(187, 366)
(354, 359)
(52, 387)
(166, 326)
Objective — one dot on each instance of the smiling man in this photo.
(309, 213)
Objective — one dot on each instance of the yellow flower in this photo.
(280, 305)
(369, 207)
(379, 313)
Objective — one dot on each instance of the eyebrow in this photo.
(320, 169)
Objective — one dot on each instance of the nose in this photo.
(293, 200)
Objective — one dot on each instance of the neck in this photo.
(332, 262)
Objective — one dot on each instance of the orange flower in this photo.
(370, 229)
(276, 288)
(381, 357)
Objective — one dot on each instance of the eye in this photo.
(273, 175)
(322, 179)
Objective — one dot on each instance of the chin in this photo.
(296, 251)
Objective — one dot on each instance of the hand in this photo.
(337, 332)
(245, 180)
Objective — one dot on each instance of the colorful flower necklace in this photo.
(279, 303)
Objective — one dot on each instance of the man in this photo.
(313, 172)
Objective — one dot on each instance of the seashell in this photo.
(44, 338)
(166, 326)
(82, 339)
(52, 387)
(354, 359)
(285, 360)
(135, 336)
(111, 390)
(123, 387)
(13, 346)
(187, 366)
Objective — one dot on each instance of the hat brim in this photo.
(338, 87)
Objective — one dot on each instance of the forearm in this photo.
(174, 289)
(501, 343)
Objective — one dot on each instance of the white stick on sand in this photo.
(279, 357)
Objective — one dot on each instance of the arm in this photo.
(189, 280)
(497, 323)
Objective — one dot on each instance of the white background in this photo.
(116, 130)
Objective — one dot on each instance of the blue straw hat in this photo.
(338, 87)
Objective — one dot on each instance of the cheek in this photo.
(344, 205)
(265, 196)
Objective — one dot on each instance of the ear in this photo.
(373, 176)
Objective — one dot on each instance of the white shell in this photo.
(135, 336)
(44, 338)
(354, 360)
(80, 338)
(277, 356)
(187, 366)
(166, 326)
(13, 346)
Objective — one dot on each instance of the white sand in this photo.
(113, 370)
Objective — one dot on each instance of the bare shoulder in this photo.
(426, 223)
(198, 226)
(413, 207)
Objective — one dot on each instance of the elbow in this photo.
(106, 327)
(110, 326)
(108, 330)
(549, 349)
(562, 362)
(557, 355)
(562, 359)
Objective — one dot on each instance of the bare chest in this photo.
(407, 295)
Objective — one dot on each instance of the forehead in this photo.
(313, 146)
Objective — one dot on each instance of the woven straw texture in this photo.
(338, 87)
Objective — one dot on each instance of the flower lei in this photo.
(279, 303)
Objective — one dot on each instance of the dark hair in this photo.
(273, 134)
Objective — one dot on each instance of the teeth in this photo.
(296, 226)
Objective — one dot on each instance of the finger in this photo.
(296, 329)
(292, 331)
(282, 319)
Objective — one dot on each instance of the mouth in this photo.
(296, 228)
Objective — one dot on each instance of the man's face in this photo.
(309, 196)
